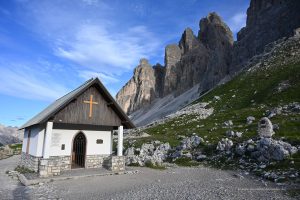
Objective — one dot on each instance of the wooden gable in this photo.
(78, 110)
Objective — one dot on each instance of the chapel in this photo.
(76, 131)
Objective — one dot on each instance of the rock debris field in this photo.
(172, 183)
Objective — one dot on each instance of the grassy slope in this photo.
(254, 93)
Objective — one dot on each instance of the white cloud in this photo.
(95, 47)
(93, 37)
(237, 21)
(23, 80)
(106, 79)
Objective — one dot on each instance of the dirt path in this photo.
(174, 183)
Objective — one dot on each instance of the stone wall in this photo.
(30, 162)
(95, 161)
(49, 167)
(65, 162)
(54, 165)
(116, 163)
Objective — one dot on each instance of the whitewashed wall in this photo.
(36, 141)
(61, 136)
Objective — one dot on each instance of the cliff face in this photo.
(267, 21)
(210, 56)
(204, 59)
(142, 88)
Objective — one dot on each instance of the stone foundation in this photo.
(116, 163)
(65, 162)
(30, 162)
(95, 161)
(54, 165)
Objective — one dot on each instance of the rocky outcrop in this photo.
(267, 21)
(154, 153)
(188, 41)
(140, 90)
(204, 59)
(172, 58)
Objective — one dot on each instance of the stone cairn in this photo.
(265, 128)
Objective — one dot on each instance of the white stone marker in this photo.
(120, 141)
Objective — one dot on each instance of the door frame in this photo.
(72, 144)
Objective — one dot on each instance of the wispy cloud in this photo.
(105, 78)
(237, 21)
(23, 80)
(91, 35)
(96, 48)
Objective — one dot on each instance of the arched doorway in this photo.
(79, 149)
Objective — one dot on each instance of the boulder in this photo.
(190, 142)
(224, 144)
(266, 149)
(269, 149)
(230, 133)
(154, 152)
(250, 119)
(228, 123)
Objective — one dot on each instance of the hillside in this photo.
(205, 60)
(269, 86)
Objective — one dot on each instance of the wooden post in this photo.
(120, 141)
(47, 143)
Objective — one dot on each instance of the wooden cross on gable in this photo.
(91, 102)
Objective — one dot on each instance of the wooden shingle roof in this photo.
(60, 103)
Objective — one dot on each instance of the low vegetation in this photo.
(251, 93)
(23, 170)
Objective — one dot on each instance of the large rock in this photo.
(154, 152)
(267, 21)
(224, 144)
(266, 149)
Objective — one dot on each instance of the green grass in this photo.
(255, 93)
(15, 146)
(186, 162)
(150, 165)
(23, 170)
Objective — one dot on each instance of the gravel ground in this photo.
(173, 183)
(9, 188)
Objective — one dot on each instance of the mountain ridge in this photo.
(211, 57)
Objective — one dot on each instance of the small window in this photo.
(63, 147)
(99, 141)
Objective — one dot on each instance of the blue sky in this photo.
(49, 47)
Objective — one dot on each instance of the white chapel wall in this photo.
(63, 136)
(36, 141)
